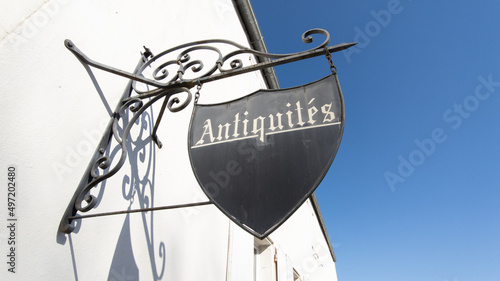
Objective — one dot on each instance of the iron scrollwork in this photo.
(136, 106)
(161, 79)
(152, 81)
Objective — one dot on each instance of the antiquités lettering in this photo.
(293, 117)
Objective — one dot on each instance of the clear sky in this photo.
(414, 191)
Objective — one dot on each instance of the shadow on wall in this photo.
(138, 185)
(123, 266)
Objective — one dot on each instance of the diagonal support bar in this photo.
(276, 62)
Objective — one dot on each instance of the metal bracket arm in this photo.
(184, 62)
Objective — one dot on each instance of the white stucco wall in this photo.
(52, 119)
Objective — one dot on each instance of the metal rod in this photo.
(84, 59)
(276, 62)
(157, 124)
(141, 210)
(192, 82)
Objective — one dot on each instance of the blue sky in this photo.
(414, 191)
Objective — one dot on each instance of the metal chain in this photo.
(328, 55)
(197, 94)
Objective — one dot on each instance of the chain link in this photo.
(328, 55)
(197, 94)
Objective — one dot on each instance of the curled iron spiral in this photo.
(223, 63)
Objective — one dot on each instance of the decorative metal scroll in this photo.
(163, 77)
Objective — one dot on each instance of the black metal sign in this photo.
(260, 157)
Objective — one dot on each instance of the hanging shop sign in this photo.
(260, 157)
(257, 158)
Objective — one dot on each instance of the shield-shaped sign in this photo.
(258, 158)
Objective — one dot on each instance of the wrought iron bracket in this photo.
(151, 81)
